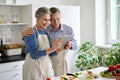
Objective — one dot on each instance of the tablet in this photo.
(65, 39)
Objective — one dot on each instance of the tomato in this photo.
(118, 74)
(118, 65)
(48, 79)
(112, 68)
(90, 72)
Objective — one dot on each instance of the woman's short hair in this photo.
(42, 11)
(54, 10)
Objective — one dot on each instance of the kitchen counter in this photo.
(95, 71)
(12, 58)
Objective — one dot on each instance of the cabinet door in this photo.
(5, 67)
(11, 75)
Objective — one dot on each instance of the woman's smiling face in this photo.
(43, 21)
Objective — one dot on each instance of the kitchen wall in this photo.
(87, 8)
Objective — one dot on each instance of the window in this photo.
(113, 20)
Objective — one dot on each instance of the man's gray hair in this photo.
(42, 11)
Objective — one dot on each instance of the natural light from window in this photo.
(113, 17)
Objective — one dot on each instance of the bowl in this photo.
(12, 52)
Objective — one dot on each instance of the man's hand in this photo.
(68, 45)
(27, 32)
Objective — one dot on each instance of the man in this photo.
(56, 30)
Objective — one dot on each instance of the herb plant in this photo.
(88, 56)
(113, 55)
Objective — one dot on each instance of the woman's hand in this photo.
(60, 50)
(56, 45)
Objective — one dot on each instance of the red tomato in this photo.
(90, 72)
(117, 79)
(118, 65)
(118, 74)
(112, 68)
(48, 79)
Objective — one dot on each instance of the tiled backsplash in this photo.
(11, 34)
(12, 23)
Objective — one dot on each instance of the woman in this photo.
(37, 65)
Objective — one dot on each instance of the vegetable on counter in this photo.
(112, 71)
(48, 78)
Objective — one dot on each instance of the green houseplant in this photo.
(113, 55)
(88, 56)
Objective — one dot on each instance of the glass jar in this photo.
(1, 19)
(15, 18)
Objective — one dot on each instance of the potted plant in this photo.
(113, 55)
(88, 56)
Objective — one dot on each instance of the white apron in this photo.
(41, 68)
(59, 64)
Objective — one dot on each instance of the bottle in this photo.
(2, 50)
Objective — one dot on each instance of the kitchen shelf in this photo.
(5, 4)
(14, 24)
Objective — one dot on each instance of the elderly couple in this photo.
(45, 58)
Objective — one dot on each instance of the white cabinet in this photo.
(13, 13)
(11, 75)
(11, 70)
(13, 18)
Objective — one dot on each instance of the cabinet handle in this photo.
(15, 66)
(17, 74)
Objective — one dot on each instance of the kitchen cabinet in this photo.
(13, 18)
(11, 70)
(12, 75)
(13, 13)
